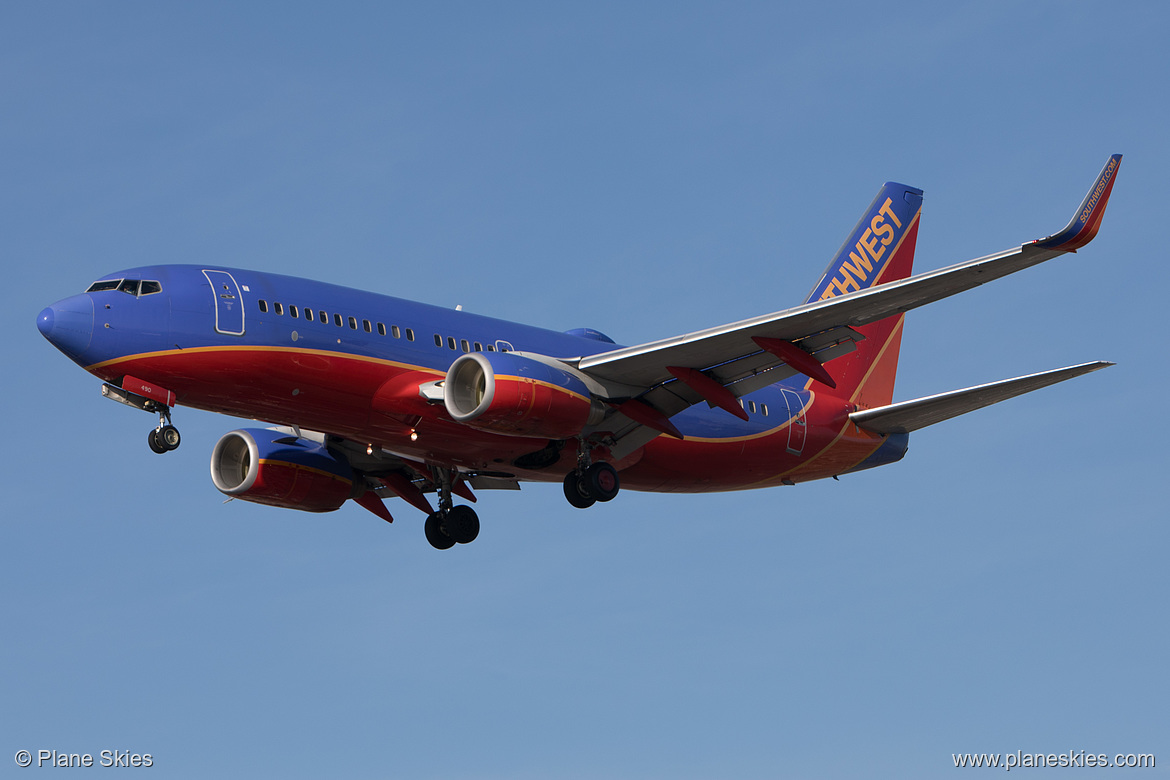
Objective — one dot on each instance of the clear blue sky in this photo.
(647, 170)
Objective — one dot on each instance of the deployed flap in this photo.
(911, 415)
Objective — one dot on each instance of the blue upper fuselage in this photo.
(167, 307)
(102, 325)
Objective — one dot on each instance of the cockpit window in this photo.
(128, 286)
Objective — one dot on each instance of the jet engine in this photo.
(271, 467)
(505, 393)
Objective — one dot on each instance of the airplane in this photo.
(371, 396)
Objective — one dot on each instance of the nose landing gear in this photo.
(165, 437)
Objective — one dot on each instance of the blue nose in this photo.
(68, 324)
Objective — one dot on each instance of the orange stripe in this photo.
(261, 349)
(290, 464)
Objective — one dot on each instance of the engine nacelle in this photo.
(270, 467)
(505, 393)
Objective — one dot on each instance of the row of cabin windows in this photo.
(466, 346)
(751, 406)
(279, 308)
(338, 320)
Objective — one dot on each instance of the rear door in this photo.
(798, 427)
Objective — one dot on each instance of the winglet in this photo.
(1087, 220)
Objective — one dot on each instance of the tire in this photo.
(601, 481)
(157, 446)
(461, 524)
(168, 436)
(434, 531)
(575, 492)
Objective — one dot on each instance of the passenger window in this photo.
(438, 340)
(279, 308)
(764, 409)
(129, 286)
(451, 342)
(410, 334)
(292, 310)
(324, 317)
(352, 323)
(395, 332)
(478, 347)
(367, 326)
(309, 315)
(491, 348)
(263, 304)
(463, 344)
(381, 329)
(752, 407)
(337, 320)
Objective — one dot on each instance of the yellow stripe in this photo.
(276, 350)
(545, 384)
(290, 464)
(769, 432)
(878, 279)
(881, 353)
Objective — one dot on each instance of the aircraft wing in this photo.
(909, 416)
(730, 356)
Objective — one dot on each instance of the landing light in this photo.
(413, 435)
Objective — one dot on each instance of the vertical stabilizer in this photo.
(880, 249)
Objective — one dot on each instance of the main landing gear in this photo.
(451, 525)
(590, 482)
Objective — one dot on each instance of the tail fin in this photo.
(880, 249)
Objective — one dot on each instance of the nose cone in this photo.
(45, 321)
(68, 324)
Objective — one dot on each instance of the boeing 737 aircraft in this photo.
(372, 396)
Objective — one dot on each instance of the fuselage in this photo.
(349, 362)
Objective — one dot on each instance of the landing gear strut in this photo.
(451, 525)
(590, 482)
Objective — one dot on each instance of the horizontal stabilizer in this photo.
(911, 415)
